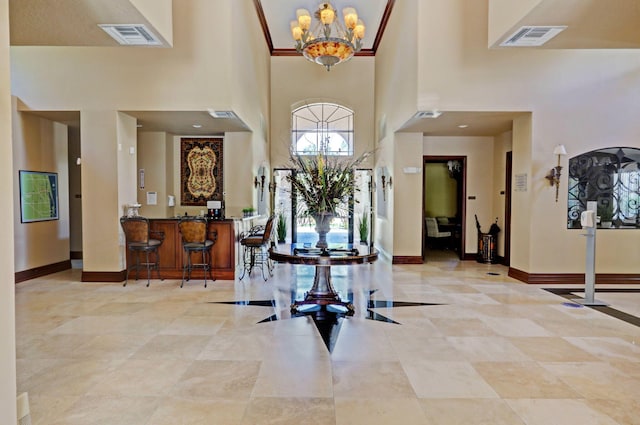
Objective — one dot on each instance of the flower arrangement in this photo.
(324, 182)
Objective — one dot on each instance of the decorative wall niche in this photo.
(611, 177)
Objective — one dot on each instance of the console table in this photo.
(322, 292)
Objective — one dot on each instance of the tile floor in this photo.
(494, 351)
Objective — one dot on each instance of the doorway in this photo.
(444, 188)
(507, 209)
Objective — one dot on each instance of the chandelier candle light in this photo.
(329, 42)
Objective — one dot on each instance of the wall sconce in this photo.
(387, 182)
(555, 173)
(259, 180)
(273, 185)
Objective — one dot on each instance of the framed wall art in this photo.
(38, 196)
(201, 170)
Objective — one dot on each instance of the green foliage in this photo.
(281, 228)
(324, 182)
(363, 227)
(605, 212)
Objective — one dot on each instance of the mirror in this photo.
(610, 177)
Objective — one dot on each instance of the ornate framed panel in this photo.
(611, 177)
(201, 170)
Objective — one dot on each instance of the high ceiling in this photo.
(590, 24)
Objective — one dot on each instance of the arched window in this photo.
(322, 128)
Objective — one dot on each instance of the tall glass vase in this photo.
(323, 225)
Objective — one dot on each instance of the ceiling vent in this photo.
(427, 114)
(131, 35)
(532, 36)
(223, 114)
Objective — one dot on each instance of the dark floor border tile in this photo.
(569, 294)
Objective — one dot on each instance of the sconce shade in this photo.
(560, 150)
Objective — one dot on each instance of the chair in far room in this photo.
(141, 240)
(196, 241)
(434, 234)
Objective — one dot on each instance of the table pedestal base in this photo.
(322, 293)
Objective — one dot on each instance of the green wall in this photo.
(440, 191)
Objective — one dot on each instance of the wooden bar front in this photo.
(172, 254)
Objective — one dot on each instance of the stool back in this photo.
(268, 230)
(136, 229)
(193, 230)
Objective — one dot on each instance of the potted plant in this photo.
(248, 212)
(281, 228)
(363, 228)
(605, 212)
(324, 182)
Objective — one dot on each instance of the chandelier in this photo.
(329, 42)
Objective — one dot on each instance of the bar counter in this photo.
(171, 252)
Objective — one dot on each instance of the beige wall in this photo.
(568, 92)
(159, 14)
(101, 203)
(7, 288)
(502, 145)
(185, 77)
(295, 80)
(153, 158)
(40, 145)
(396, 100)
(75, 190)
(406, 196)
(504, 13)
(241, 169)
(521, 199)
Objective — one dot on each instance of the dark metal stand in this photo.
(322, 292)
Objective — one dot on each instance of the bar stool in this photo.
(138, 238)
(193, 231)
(255, 244)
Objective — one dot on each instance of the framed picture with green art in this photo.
(38, 196)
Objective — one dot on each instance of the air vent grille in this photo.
(131, 35)
(532, 36)
(223, 114)
(427, 114)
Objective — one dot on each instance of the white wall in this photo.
(7, 288)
